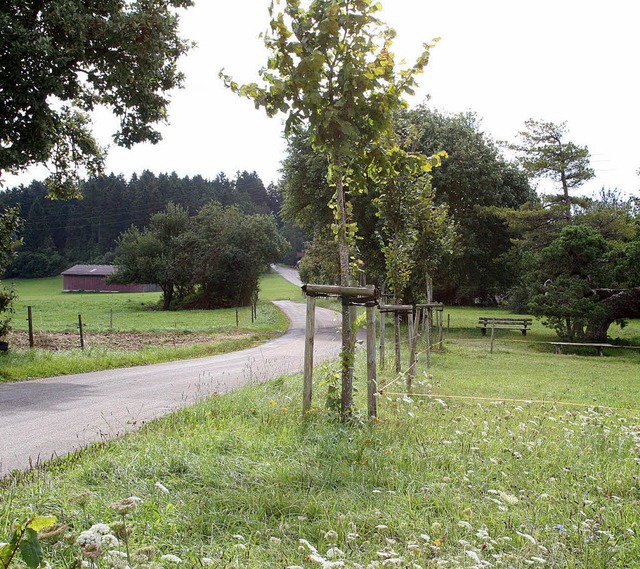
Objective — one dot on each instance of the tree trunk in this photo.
(617, 304)
(567, 199)
(347, 354)
(167, 297)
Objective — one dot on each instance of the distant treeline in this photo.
(59, 233)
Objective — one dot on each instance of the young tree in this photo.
(331, 71)
(62, 58)
(544, 151)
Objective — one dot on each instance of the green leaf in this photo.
(30, 549)
(5, 554)
(41, 522)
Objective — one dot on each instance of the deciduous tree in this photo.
(62, 58)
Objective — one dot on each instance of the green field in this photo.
(54, 310)
(112, 314)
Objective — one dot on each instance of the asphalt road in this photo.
(51, 417)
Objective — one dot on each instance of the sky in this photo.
(505, 60)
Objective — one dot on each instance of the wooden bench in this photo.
(522, 324)
(599, 347)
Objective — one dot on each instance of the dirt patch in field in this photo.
(129, 341)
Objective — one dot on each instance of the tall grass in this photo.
(243, 481)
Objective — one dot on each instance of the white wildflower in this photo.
(538, 560)
(102, 529)
(308, 545)
(464, 524)
(89, 539)
(317, 558)
(473, 555)
(110, 540)
(381, 527)
(207, 561)
(240, 546)
(275, 540)
(509, 499)
(334, 552)
(352, 536)
(169, 558)
(527, 537)
(331, 536)
(393, 561)
(160, 486)
(238, 537)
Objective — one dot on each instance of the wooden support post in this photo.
(411, 372)
(308, 354)
(81, 331)
(397, 338)
(372, 382)
(427, 329)
(493, 335)
(30, 321)
(382, 331)
(441, 330)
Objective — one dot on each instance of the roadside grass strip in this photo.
(243, 481)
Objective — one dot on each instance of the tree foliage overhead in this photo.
(473, 183)
(60, 59)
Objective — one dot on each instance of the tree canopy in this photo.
(60, 59)
(544, 151)
(213, 259)
(582, 276)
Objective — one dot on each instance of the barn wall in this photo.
(97, 284)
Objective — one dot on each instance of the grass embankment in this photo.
(243, 481)
(116, 318)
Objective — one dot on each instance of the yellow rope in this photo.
(507, 400)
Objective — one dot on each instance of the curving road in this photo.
(46, 418)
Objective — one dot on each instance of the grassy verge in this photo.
(243, 481)
(55, 311)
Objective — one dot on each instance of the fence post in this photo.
(30, 320)
(372, 383)
(308, 354)
(81, 331)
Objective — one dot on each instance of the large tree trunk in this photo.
(618, 304)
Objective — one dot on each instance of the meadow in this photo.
(114, 322)
(516, 458)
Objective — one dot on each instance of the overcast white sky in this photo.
(506, 60)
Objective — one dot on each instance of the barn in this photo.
(91, 278)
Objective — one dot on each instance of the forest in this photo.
(60, 233)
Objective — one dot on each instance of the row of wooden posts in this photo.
(428, 314)
(80, 327)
